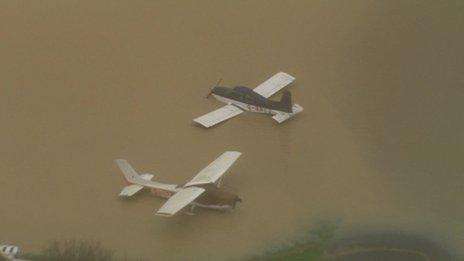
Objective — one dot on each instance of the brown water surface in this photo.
(380, 143)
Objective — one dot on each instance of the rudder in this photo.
(129, 173)
(286, 102)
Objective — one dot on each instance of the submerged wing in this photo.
(215, 169)
(179, 200)
(274, 84)
(218, 115)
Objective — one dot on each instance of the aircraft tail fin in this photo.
(135, 180)
(286, 102)
(129, 173)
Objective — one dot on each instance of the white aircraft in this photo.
(202, 191)
(9, 252)
(240, 98)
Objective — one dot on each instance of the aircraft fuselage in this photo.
(246, 99)
(212, 198)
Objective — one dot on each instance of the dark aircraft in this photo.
(240, 98)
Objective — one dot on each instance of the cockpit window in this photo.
(236, 95)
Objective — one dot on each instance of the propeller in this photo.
(211, 91)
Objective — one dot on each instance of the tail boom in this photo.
(138, 182)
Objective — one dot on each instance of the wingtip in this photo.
(234, 152)
(201, 123)
(161, 214)
(286, 74)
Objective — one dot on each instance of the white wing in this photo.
(215, 169)
(274, 84)
(218, 115)
(179, 200)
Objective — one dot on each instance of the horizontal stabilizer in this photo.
(282, 116)
(130, 190)
(217, 116)
(179, 200)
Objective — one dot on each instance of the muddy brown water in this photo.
(379, 145)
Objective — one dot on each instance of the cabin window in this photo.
(249, 97)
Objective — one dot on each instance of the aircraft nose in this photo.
(211, 92)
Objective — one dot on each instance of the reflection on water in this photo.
(378, 144)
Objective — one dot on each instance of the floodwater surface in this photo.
(379, 144)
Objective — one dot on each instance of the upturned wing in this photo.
(274, 84)
(179, 200)
(215, 170)
(219, 115)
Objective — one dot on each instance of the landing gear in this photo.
(190, 212)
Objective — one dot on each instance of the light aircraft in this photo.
(240, 98)
(202, 191)
(9, 252)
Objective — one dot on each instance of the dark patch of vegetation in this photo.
(71, 250)
(311, 247)
(387, 245)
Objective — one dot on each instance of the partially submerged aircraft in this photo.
(240, 98)
(9, 252)
(202, 191)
